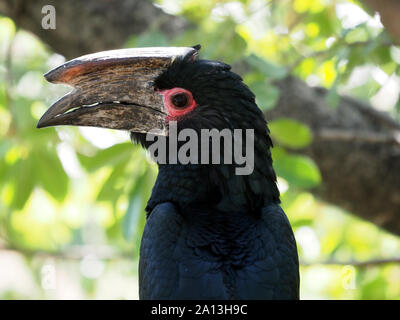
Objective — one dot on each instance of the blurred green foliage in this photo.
(72, 200)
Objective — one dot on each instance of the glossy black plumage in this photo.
(210, 233)
(199, 254)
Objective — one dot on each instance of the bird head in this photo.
(113, 89)
(142, 90)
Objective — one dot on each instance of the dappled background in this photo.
(72, 199)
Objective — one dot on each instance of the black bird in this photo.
(210, 233)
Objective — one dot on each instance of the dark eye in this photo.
(180, 100)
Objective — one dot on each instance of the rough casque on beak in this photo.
(113, 89)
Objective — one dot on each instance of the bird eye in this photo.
(180, 100)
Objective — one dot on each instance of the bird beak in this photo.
(113, 89)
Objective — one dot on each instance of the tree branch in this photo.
(357, 136)
(356, 148)
(107, 253)
(77, 252)
(92, 25)
(354, 263)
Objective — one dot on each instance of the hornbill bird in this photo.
(210, 233)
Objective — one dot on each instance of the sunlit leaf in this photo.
(217, 39)
(356, 35)
(306, 67)
(301, 223)
(107, 157)
(312, 29)
(7, 31)
(374, 288)
(148, 39)
(24, 182)
(270, 70)
(328, 72)
(49, 173)
(197, 10)
(298, 170)
(302, 6)
(135, 218)
(290, 132)
(109, 190)
(266, 94)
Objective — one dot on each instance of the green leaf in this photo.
(357, 34)
(135, 218)
(298, 170)
(268, 69)
(50, 174)
(290, 133)
(107, 157)
(266, 94)
(109, 191)
(24, 182)
(367, 89)
(197, 10)
(147, 39)
(374, 289)
(301, 222)
(327, 25)
(7, 29)
(3, 171)
(333, 97)
(132, 215)
(219, 42)
(389, 68)
(237, 47)
(5, 145)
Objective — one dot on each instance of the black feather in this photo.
(212, 234)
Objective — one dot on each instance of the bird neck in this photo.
(218, 186)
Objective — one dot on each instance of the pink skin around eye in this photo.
(173, 111)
